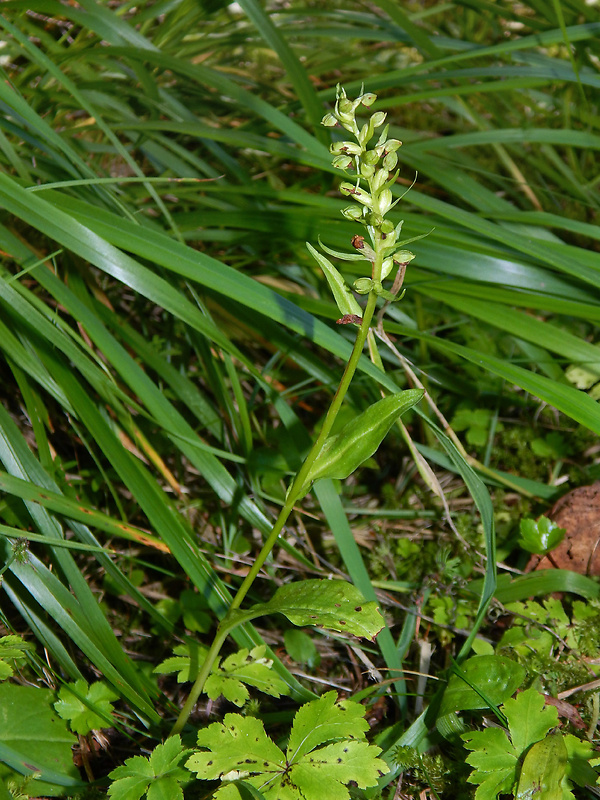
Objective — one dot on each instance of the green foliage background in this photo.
(168, 345)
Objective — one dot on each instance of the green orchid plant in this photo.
(338, 456)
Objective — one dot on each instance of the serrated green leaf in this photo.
(343, 453)
(344, 299)
(529, 719)
(165, 789)
(239, 748)
(186, 661)
(540, 536)
(129, 788)
(244, 667)
(323, 772)
(325, 720)
(495, 761)
(86, 707)
(12, 649)
(160, 776)
(495, 756)
(544, 770)
(336, 605)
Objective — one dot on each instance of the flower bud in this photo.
(345, 106)
(375, 220)
(364, 135)
(357, 193)
(367, 171)
(371, 158)
(352, 212)
(367, 99)
(378, 118)
(342, 162)
(386, 267)
(329, 121)
(362, 285)
(387, 227)
(403, 256)
(385, 201)
(379, 180)
(391, 145)
(390, 161)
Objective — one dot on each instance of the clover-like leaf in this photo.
(540, 536)
(87, 708)
(325, 752)
(158, 777)
(336, 605)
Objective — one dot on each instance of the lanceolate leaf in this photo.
(359, 439)
(336, 605)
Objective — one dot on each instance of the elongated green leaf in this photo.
(527, 327)
(344, 452)
(335, 605)
(294, 69)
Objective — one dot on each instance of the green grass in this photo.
(168, 346)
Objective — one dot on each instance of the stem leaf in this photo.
(335, 605)
(359, 439)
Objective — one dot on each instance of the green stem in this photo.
(298, 483)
